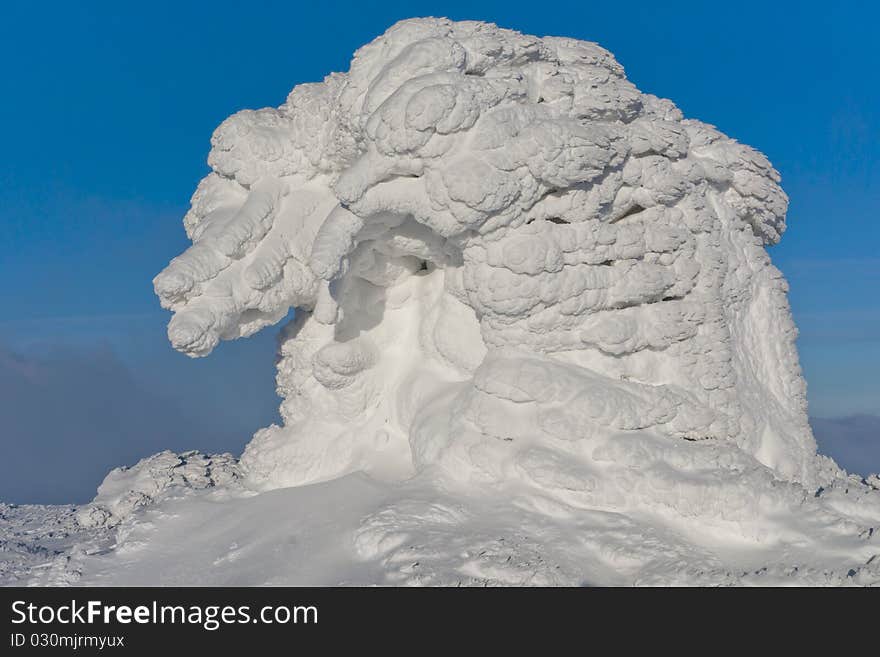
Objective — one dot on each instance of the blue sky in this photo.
(108, 110)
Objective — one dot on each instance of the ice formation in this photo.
(532, 304)
(492, 238)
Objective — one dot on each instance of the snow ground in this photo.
(356, 530)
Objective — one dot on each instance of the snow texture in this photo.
(537, 340)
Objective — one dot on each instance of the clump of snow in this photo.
(155, 479)
(538, 339)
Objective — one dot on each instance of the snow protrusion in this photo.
(150, 480)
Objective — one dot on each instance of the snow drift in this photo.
(533, 308)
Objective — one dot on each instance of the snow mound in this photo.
(155, 479)
(534, 310)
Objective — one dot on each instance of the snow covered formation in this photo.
(499, 250)
(534, 319)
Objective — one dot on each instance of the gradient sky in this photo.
(107, 113)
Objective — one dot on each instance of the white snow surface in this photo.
(537, 340)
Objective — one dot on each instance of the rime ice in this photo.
(510, 220)
(531, 302)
